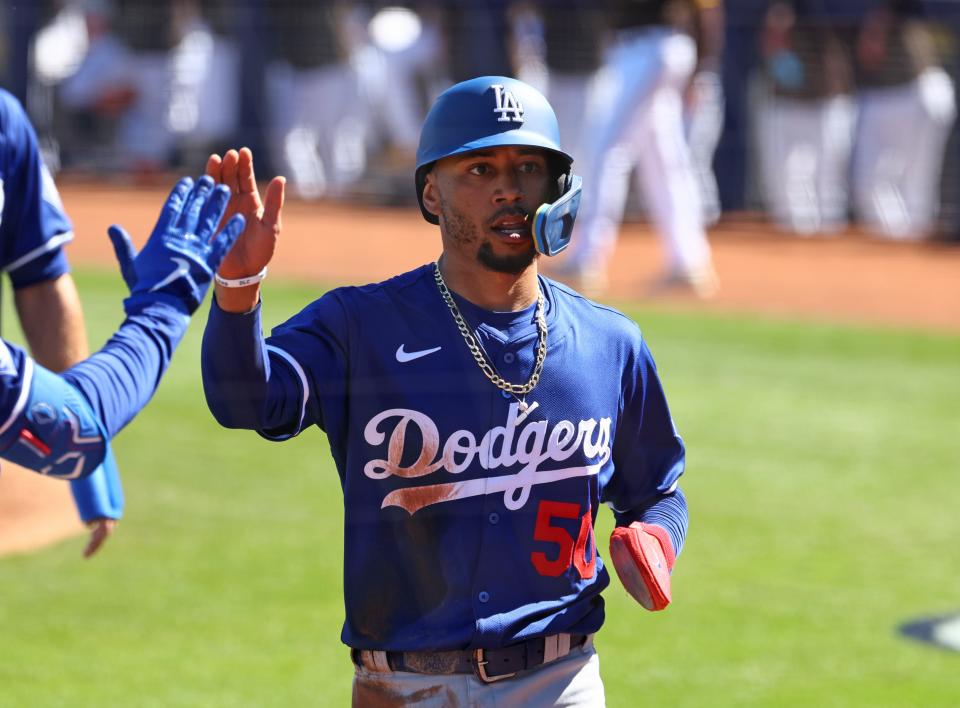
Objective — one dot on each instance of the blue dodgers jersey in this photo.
(33, 225)
(468, 523)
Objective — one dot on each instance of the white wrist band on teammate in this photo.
(240, 282)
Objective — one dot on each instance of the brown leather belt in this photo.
(488, 665)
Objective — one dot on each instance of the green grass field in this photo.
(823, 489)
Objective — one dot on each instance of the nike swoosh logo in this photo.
(182, 269)
(403, 357)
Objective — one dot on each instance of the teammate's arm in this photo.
(52, 322)
(60, 425)
(33, 231)
(168, 281)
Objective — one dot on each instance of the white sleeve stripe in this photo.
(300, 373)
(22, 398)
(53, 243)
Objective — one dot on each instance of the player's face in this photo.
(486, 201)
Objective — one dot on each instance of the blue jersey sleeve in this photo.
(120, 378)
(648, 453)
(314, 344)
(670, 512)
(241, 387)
(280, 385)
(33, 225)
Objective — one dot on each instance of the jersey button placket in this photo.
(492, 530)
(491, 526)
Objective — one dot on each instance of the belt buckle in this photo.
(479, 662)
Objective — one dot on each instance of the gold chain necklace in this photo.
(518, 390)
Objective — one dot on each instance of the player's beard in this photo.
(463, 232)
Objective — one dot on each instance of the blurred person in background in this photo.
(96, 91)
(732, 157)
(639, 121)
(704, 108)
(574, 36)
(907, 108)
(204, 78)
(805, 115)
(401, 66)
(479, 38)
(151, 69)
(318, 119)
(33, 231)
(404, 52)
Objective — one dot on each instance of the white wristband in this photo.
(241, 282)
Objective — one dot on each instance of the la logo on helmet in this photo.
(507, 103)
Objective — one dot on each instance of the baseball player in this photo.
(61, 425)
(899, 79)
(478, 415)
(33, 231)
(637, 120)
(805, 121)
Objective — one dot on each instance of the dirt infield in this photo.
(845, 278)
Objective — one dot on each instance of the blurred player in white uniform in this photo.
(574, 33)
(806, 115)
(318, 120)
(400, 63)
(150, 69)
(906, 108)
(637, 119)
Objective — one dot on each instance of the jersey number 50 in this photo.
(571, 553)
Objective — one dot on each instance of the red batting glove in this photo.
(643, 556)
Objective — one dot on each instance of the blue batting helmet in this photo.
(489, 111)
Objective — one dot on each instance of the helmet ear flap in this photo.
(420, 179)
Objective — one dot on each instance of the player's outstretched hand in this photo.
(185, 249)
(255, 247)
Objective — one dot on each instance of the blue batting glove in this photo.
(184, 251)
(126, 253)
